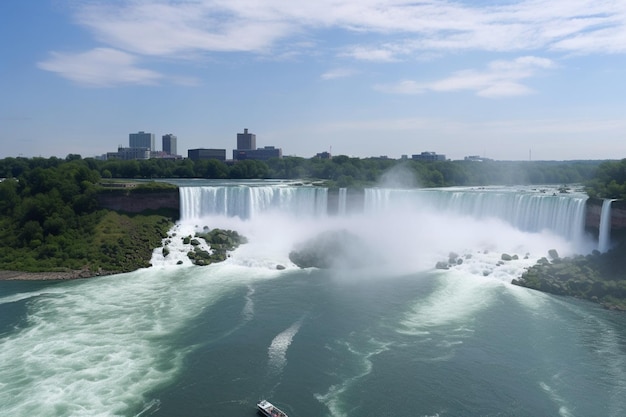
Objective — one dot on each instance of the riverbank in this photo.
(114, 243)
(597, 277)
(51, 276)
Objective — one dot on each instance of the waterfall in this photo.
(526, 209)
(343, 197)
(604, 235)
(246, 201)
(530, 211)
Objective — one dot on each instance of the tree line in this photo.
(338, 171)
(50, 220)
(609, 181)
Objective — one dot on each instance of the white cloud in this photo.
(386, 31)
(371, 54)
(337, 73)
(170, 27)
(100, 67)
(402, 87)
(500, 79)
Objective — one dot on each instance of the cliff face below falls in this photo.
(618, 216)
(133, 201)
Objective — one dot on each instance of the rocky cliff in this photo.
(136, 201)
(618, 217)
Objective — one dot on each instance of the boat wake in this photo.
(363, 366)
(150, 408)
(277, 351)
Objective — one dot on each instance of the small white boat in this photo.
(267, 409)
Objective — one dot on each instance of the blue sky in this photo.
(502, 79)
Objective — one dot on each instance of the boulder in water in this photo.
(442, 265)
(333, 248)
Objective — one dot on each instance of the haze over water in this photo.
(394, 338)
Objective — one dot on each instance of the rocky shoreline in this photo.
(597, 277)
(51, 276)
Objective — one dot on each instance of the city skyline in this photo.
(503, 80)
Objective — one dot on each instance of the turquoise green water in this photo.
(202, 342)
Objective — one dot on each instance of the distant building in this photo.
(201, 153)
(323, 155)
(246, 149)
(141, 140)
(169, 144)
(476, 158)
(261, 154)
(128, 154)
(428, 157)
(246, 141)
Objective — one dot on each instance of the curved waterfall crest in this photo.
(525, 209)
(247, 202)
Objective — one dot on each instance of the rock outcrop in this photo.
(332, 249)
(220, 242)
(596, 277)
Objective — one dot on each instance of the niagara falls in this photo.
(379, 331)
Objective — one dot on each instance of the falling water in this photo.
(604, 235)
(246, 202)
(343, 196)
(527, 210)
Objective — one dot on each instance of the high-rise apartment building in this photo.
(169, 144)
(246, 141)
(141, 140)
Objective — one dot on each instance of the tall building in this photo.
(141, 140)
(246, 141)
(169, 144)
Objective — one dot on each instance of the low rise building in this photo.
(260, 154)
(128, 154)
(428, 157)
(202, 153)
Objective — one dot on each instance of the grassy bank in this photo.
(104, 242)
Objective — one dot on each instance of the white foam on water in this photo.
(332, 399)
(456, 301)
(98, 346)
(177, 248)
(248, 308)
(27, 295)
(277, 351)
(556, 398)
